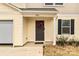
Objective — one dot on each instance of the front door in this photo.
(39, 30)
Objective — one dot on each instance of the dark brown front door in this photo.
(39, 30)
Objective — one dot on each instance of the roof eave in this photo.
(13, 7)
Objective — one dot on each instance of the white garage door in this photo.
(6, 31)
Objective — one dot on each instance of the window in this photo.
(48, 3)
(66, 26)
(58, 3)
(53, 4)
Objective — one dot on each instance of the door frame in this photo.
(44, 31)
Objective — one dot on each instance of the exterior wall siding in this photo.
(7, 13)
(22, 26)
(76, 28)
(66, 8)
(48, 23)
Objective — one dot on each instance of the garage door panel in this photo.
(6, 31)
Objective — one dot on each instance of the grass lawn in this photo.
(50, 50)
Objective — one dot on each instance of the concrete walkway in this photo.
(27, 50)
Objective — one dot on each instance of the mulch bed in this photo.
(67, 50)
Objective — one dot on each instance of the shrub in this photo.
(77, 43)
(73, 42)
(61, 40)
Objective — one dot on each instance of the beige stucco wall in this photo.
(49, 27)
(7, 13)
(48, 24)
(66, 8)
(24, 28)
(20, 5)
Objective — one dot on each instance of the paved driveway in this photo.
(27, 50)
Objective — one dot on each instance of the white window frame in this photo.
(65, 27)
